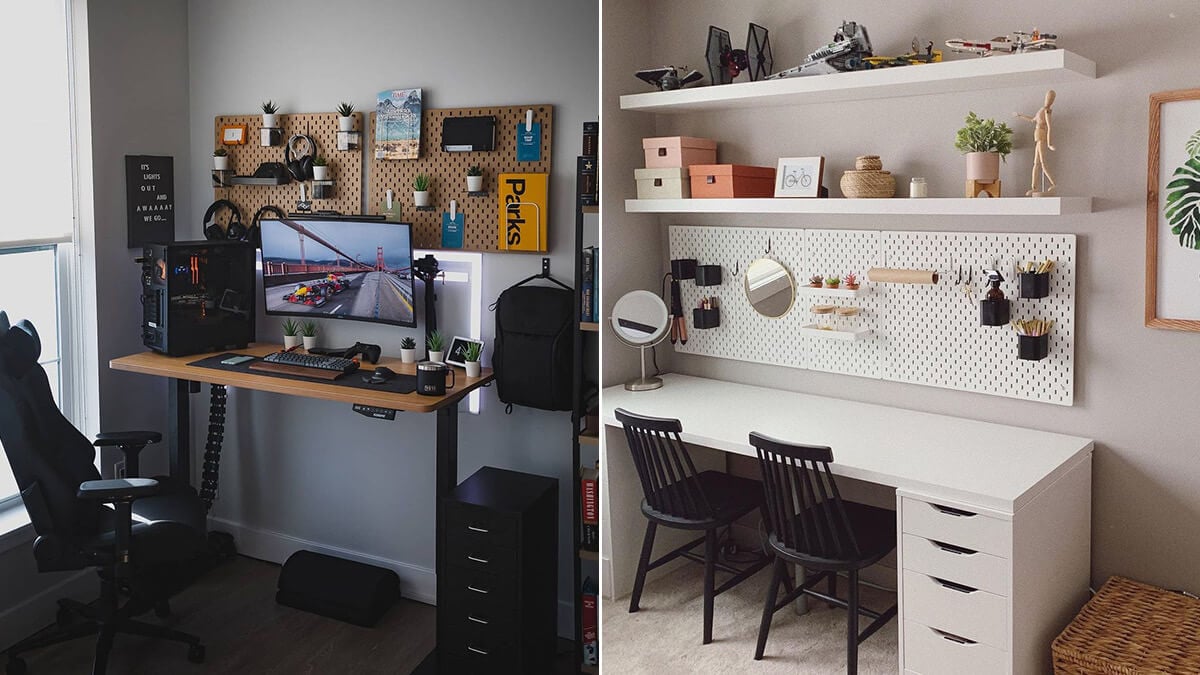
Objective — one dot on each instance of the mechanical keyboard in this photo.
(314, 361)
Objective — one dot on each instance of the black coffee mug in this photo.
(431, 378)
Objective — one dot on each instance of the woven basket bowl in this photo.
(868, 184)
(868, 163)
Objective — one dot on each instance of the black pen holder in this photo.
(1033, 347)
(706, 318)
(708, 275)
(322, 189)
(994, 312)
(683, 268)
(1034, 285)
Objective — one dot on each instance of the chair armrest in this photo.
(121, 438)
(121, 489)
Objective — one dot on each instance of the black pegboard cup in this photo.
(706, 318)
(1035, 285)
(994, 312)
(708, 275)
(683, 268)
(1033, 347)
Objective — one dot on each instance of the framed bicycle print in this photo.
(799, 176)
(1173, 211)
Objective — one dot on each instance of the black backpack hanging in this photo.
(533, 356)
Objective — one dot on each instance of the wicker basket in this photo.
(868, 163)
(868, 184)
(1131, 628)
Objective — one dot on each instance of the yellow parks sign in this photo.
(524, 210)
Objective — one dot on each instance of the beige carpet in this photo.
(663, 638)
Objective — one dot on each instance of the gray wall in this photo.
(297, 471)
(1133, 384)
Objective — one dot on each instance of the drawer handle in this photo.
(480, 530)
(953, 586)
(477, 651)
(952, 637)
(481, 561)
(957, 513)
(476, 620)
(951, 548)
(477, 590)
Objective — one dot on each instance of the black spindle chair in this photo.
(813, 527)
(677, 496)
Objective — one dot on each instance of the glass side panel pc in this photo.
(338, 268)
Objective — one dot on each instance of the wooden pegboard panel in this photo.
(449, 173)
(345, 166)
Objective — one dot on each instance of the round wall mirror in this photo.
(641, 319)
(769, 288)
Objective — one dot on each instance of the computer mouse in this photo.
(382, 374)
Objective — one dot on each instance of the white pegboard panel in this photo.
(922, 334)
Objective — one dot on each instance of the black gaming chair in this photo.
(68, 506)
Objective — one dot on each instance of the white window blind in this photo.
(35, 178)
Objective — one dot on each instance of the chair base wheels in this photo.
(16, 666)
(195, 654)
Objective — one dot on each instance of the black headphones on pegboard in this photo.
(301, 167)
(234, 230)
(255, 234)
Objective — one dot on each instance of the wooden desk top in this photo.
(151, 363)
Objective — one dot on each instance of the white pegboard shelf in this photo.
(834, 292)
(853, 335)
(1033, 68)
(897, 206)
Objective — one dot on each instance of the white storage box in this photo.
(663, 183)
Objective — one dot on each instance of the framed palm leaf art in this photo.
(1173, 211)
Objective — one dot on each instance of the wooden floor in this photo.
(233, 610)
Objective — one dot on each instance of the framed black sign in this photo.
(150, 199)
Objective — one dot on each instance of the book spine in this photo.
(586, 309)
(585, 174)
(591, 135)
(591, 654)
(591, 510)
(595, 314)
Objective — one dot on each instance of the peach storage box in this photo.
(662, 183)
(675, 152)
(723, 181)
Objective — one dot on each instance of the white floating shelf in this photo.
(1014, 70)
(846, 335)
(933, 206)
(835, 292)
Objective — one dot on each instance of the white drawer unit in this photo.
(957, 526)
(958, 564)
(965, 611)
(930, 651)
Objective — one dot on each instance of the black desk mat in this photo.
(400, 384)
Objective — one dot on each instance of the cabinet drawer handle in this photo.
(480, 530)
(953, 586)
(957, 513)
(476, 620)
(481, 561)
(951, 548)
(477, 651)
(952, 637)
(477, 590)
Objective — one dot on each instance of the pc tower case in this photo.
(198, 296)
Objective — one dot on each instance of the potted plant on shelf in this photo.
(345, 119)
(221, 159)
(471, 357)
(308, 334)
(408, 350)
(984, 143)
(851, 281)
(421, 189)
(270, 118)
(475, 179)
(833, 282)
(291, 334)
(816, 280)
(320, 168)
(434, 343)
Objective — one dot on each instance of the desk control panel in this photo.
(375, 411)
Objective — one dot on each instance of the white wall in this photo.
(1134, 386)
(302, 471)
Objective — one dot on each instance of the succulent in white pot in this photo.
(408, 350)
(421, 189)
(291, 334)
(471, 356)
(221, 159)
(345, 113)
(308, 334)
(475, 179)
(270, 116)
(320, 168)
(434, 343)
(984, 143)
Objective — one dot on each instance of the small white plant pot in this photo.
(473, 368)
(421, 198)
(290, 341)
(408, 355)
(345, 123)
(983, 166)
(309, 342)
(271, 120)
(474, 183)
(320, 173)
(221, 163)
(436, 357)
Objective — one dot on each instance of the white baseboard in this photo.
(416, 583)
(38, 610)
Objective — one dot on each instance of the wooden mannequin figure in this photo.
(1041, 140)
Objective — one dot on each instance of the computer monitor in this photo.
(337, 268)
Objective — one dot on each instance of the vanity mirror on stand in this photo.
(640, 319)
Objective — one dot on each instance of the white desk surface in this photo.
(990, 465)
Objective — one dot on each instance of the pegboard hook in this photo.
(768, 246)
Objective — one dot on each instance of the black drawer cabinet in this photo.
(497, 603)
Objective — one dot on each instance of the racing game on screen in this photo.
(338, 269)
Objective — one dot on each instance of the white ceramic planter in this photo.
(983, 166)
(290, 341)
(435, 357)
(345, 123)
(270, 121)
(221, 163)
(474, 183)
(421, 198)
(320, 173)
(408, 355)
(309, 342)
(473, 368)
